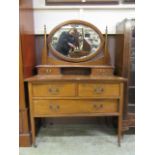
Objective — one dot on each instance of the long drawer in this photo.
(99, 90)
(53, 89)
(56, 107)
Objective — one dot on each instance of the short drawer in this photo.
(99, 90)
(56, 107)
(53, 89)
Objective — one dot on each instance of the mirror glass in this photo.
(75, 41)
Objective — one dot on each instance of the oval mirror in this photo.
(75, 41)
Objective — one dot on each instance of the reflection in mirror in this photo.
(75, 41)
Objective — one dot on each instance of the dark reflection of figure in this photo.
(84, 50)
(86, 45)
(68, 41)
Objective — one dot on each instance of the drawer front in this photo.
(99, 90)
(55, 89)
(56, 107)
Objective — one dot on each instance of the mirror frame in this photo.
(59, 55)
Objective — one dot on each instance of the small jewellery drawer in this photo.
(53, 89)
(56, 107)
(99, 90)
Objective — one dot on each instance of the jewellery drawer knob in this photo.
(99, 90)
(48, 70)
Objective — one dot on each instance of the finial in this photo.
(44, 28)
(106, 29)
(106, 40)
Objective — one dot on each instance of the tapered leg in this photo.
(119, 130)
(120, 117)
(33, 131)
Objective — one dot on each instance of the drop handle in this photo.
(95, 106)
(57, 107)
(101, 105)
(99, 90)
(51, 107)
(54, 107)
(98, 106)
(53, 90)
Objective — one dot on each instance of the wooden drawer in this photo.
(53, 89)
(56, 107)
(99, 90)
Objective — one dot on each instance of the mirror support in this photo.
(44, 51)
(106, 51)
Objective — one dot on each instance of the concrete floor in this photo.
(80, 140)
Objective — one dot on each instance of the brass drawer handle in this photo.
(99, 90)
(101, 105)
(51, 107)
(57, 107)
(95, 106)
(54, 107)
(53, 90)
(98, 106)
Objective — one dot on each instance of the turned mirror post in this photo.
(44, 51)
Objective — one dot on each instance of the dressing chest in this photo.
(78, 84)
